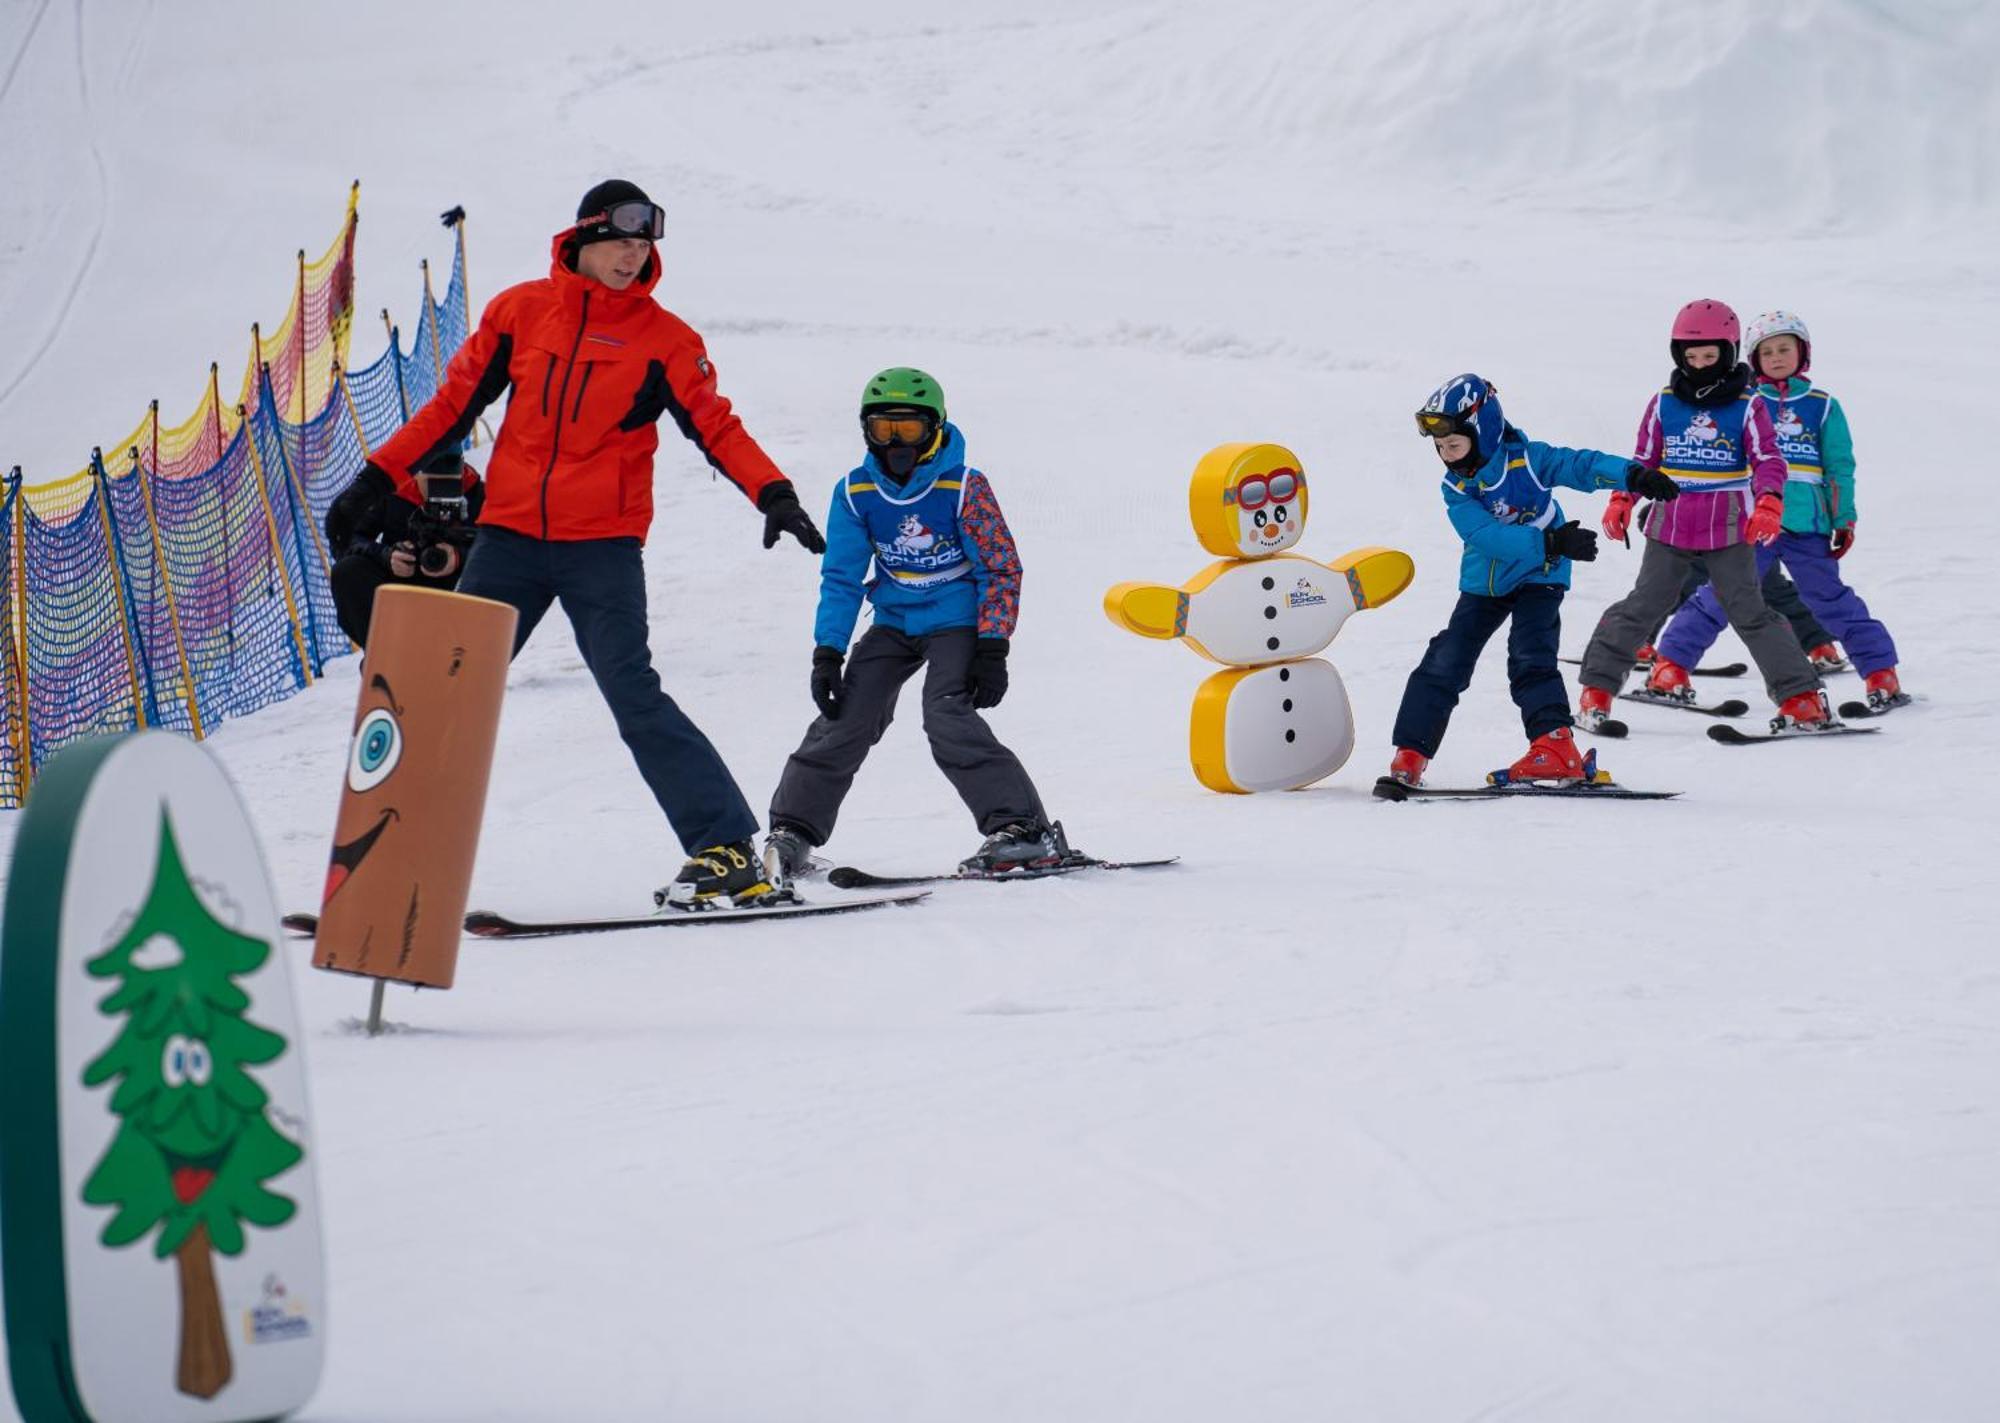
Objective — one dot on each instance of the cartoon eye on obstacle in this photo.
(1278, 718)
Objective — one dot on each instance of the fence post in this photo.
(121, 589)
(396, 364)
(354, 414)
(167, 579)
(302, 513)
(277, 553)
(23, 729)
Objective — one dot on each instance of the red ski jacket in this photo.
(590, 370)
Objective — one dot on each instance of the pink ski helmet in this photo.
(1707, 323)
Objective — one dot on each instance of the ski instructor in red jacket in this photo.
(590, 362)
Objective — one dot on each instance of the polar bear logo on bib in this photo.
(913, 538)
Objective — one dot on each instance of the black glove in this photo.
(826, 681)
(358, 511)
(782, 515)
(986, 679)
(1650, 483)
(1569, 540)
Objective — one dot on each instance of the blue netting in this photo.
(153, 595)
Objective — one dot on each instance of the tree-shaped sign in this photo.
(195, 1143)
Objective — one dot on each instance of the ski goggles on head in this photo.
(1256, 490)
(898, 428)
(1436, 424)
(631, 219)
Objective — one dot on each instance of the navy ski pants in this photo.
(1446, 670)
(601, 584)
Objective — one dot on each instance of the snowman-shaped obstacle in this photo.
(1278, 717)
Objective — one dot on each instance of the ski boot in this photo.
(1826, 658)
(721, 877)
(1642, 660)
(1408, 766)
(1551, 757)
(1807, 711)
(787, 854)
(1669, 682)
(1885, 691)
(1593, 709)
(1015, 847)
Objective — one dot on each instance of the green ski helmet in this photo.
(903, 386)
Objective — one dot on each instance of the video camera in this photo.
(441, 530)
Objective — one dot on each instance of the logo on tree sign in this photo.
(195, 1142)
(276, 1317)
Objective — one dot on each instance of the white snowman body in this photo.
(1253, 613)
(1271, 728)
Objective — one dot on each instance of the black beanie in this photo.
(601, 199)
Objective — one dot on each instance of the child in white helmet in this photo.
(1712, 433)
(1818, 527)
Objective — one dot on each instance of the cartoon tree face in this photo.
(194, 1144)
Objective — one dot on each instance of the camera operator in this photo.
(377, 536)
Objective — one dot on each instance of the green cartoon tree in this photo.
(195, 1143)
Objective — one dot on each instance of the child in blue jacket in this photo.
(946, 588)
(1516, 565)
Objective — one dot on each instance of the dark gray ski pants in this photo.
(987, 776)
(1733, 573)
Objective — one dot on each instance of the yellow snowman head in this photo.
(1248, 501)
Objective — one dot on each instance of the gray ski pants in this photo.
(987, 776)
(1733, 573)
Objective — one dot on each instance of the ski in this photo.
(848, 877)
(1391, 789)
(1610, 727)
(1727, 669)
(1861, 711)
(1732, 707)
(1730, 736)
(485, 924)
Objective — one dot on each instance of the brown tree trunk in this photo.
(205, 1368)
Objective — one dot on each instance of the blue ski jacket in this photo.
(1502, 508)
(941, 554)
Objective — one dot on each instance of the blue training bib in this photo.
(915, 536)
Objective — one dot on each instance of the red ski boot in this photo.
(1886, 691)
(1642, 660)
(1826, 658)
(1551, 757)
(1408, 766)
(1807, 711)
(1594, 709)
(1670, 679)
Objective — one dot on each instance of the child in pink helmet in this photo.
(1711, 432)
(1818, 526)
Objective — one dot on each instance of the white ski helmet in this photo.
(1778, 323)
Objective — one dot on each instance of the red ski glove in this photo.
(1618, 516)
(1843, 540)
(1768, 521)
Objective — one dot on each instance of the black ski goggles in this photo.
(898, 427)
(630, 219)
(1437, 424)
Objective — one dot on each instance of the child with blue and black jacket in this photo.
(946, 588)
(1498, 494)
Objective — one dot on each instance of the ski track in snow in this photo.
(58, 321)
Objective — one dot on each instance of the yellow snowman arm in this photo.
(1155, 610)
(1374, 575)
(1149, 609)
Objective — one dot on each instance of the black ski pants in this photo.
(987, 776)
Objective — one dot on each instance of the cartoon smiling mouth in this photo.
(192, 1176)
(348, 857)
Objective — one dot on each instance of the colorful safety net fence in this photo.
(180, 578)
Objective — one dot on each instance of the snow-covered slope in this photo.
(1501, 1112)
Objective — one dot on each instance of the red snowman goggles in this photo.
(1254, 491)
